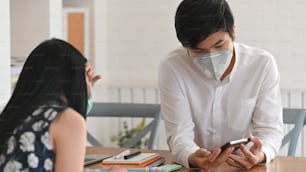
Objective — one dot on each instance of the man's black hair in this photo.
(195, 20)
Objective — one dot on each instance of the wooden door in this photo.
(76, 28)
(75, 34)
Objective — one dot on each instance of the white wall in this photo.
(5, 85)
(29, 25)
(279, 27)
(130, 39)
(138, 33)
(55, 18)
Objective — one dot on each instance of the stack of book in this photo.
(133, 162)
(138, 160)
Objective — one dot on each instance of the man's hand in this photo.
(209, 161)
(250, 157)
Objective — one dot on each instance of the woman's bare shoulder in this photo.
(68, 134)
(68, 122)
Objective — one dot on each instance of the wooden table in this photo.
(279, 164)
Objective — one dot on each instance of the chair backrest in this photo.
(296, 117)
(130, 110)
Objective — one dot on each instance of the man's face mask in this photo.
(214, 64)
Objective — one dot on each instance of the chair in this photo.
(297, 118)
(129, 110)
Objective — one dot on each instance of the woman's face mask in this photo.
(89, 100)
(214, 64)
(89, 105)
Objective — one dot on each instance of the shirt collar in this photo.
(236, 53)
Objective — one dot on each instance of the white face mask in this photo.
(214, 64)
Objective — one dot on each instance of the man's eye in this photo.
(197, 52)
(219, 46)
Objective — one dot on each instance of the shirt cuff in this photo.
(185, 155)
(268, 156)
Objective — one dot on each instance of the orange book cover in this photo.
(140, 158)
(142, 164)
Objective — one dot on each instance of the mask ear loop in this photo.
(188, 53)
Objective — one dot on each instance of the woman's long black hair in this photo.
(53, 70)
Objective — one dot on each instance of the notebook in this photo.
(142, 167)
(142, 158)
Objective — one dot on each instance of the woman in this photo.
(43, 128)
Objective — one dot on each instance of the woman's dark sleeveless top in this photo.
(30, 148)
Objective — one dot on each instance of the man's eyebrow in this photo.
(218, 42)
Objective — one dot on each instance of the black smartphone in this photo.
(235, 143)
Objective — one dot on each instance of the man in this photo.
(214, 90)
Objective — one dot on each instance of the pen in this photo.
(122, 154)
(129, 156)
